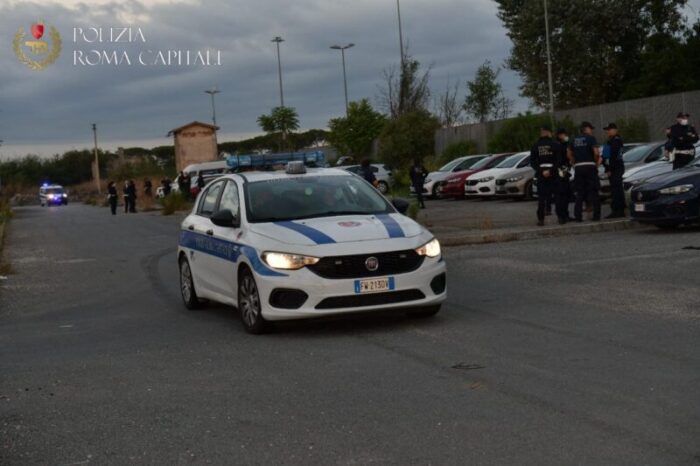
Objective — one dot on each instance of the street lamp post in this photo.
(549, 64)
(398, 10)
(212, 92)
(278, 40)
(342, 49)
(97, 160)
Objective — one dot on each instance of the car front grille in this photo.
(472, 182)
(500, 182)
(367, 300)
(390, 263)
(645, 196)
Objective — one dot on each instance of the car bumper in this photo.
(511, 189)
(481, 189)
(667, 210)
(327, 297)
(451, 190)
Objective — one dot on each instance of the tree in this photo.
(485, 99)
(355, 134)
(405, 91)
(406, 138)
(521, 132)
(447, 106)
(596, 45)
(281, 120)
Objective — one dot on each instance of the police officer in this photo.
(367, 173)
(682, 139)
(584, 155)
(543, 159)
(562, 189)
(418, 174)
(112, 197)
(614, 168)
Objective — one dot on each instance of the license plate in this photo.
(639, 208)
(374, 285)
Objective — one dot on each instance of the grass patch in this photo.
(174, 202)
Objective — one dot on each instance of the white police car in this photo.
(52, 194)
(303, 244)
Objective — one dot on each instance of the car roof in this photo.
(254, 176)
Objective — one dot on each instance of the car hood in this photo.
(647, 170)
(510, 172)
(495, 172)
(463, 174)
(438, 176)
(689, 175)
(345, 229)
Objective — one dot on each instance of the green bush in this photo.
(635, 129)
(406, 138)
(520, 133)
(173, 202)
(456, 150)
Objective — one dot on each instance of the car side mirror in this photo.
(401, 205)
(225, 218)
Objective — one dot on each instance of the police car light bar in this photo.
(265, 161)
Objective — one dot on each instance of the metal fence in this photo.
(659, 112)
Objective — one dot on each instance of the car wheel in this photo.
(249, 304)
(527, 193)
(425, 312)
(434, 193)
(383, 187)
(187, 291)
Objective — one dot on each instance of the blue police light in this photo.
(45, 185)
(263, 161)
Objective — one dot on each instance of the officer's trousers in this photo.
(113, 204)
(681, 160)
(545, 189)
(562, 196)
(587, 185)
(617, 192)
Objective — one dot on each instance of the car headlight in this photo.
(680, 189)
(285, 261)
(514, 179)
(429, 249)
(65, 195)
(486, 180)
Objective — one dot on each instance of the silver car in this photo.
(385, 178)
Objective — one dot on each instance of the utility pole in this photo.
(277, 40)
(398, 10)
(212, 92)
(97, 160)
(342, 49)
(549, 65)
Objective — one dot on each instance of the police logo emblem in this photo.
(36, 54)
(349, 224)
(372, 264)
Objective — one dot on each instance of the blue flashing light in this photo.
(263, 161)
(45, 185)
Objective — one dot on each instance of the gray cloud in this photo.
(57, 105)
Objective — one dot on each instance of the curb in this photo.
(543, 232)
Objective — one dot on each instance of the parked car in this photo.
(668, 200)
(344, 160)
(385, 178)
(207, 170)
(453, 185)
(483, 184)
(433, 180)
(643, 154)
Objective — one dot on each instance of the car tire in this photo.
(424, 312)
(434, 193)
(527, 192)
(249, 304)
(383, 187)
(187, 290)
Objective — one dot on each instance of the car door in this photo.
(224, 264)
(203, 249)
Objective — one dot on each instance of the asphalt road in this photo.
(581, 350)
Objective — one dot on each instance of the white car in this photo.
(52, 194)
(434, 179)
(385, 178)
(306, 243)
(483, 184)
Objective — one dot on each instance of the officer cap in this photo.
(562, 131)
(587, 124)
(683, 115)
(610, 126)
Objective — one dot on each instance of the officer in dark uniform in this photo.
(585, 157)
(562, 189)
(418, 174)
(682, 139)
(112, 197)
(543, 159)
(614, 168)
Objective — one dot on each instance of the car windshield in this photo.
(510, 162)
(636, 154)
(297, 198)
(448, 167)
(482, 163)
(54, 191)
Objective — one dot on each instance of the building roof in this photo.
(194, 123)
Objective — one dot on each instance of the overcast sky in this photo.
(50, 111)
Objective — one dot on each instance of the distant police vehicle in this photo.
(303, 243)
(52, 194)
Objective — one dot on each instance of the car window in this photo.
(510, 162)
(450, 166)
(229, 198)
(636, 154)
(208, 203)
(657, 154)
(354, 169)
(374, 169)
(468, 163)
(524, 163)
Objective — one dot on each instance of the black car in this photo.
(668, 200)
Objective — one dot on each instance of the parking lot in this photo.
(571, 350)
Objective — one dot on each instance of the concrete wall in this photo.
(195, 144)
(660, 112)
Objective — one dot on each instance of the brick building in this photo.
(195, 143)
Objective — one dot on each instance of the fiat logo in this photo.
(372, 264)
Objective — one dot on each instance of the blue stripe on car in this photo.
(392, 226)
(311, 233)
(227, 250)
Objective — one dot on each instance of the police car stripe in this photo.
(392, 226)
(313, 234)
(226, 250)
